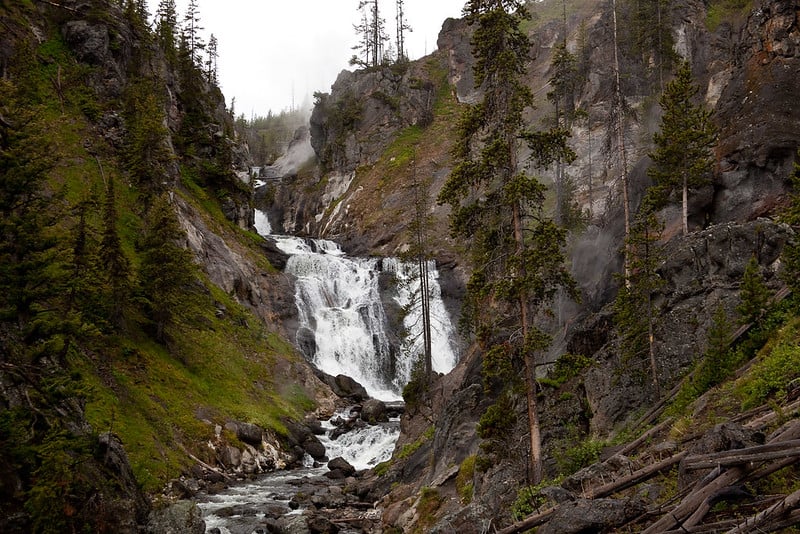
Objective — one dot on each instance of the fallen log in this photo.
(789, 504)
(633, 445)
(679, 515)
(636, 477)
(529, 522)
(758, 453)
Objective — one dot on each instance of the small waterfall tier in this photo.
(362, 317)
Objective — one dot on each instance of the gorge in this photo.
(184, 330)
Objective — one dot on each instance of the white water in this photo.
(341, 308)
(343, 322)
(363, 448)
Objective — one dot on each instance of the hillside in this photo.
(151, 348)
(382, 134)
(141, 334)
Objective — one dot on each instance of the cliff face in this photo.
(747, 69)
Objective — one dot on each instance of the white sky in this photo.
(268, 47)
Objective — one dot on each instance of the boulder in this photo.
(183, 517)
(318, 524)
(598, 515)
(342, 465)
(314, 447)
(374, 411)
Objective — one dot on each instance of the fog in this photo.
(273, 54)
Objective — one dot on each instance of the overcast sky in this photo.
(267, 48)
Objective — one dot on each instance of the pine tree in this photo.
(402, 28)
(191, 33)
(516, 252)
(717, 363)
(115, 263)
(146, 152)
(166, 31)
(29, 260)
(167, 270)
(564, 84)
(211, 62)
(790, 256)
(634, 310)
(372, 33)
(754, 294)
(683, 157)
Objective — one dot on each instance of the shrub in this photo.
(582, 455)
(464, 484)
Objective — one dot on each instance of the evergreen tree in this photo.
(683, 155)
(146, 151)
(211, 62)
(634, 310)
(564, 84)
(191, 33)
(167, 270)
(754, 294)
(29, 260)
(516, 255)
(790, 256)
(166, 20)
(115, 263)
(402, 28)
(372, 32)
(651, 36)
(716, 365)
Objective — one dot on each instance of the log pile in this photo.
(728, 473)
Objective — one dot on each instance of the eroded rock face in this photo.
(355, 123)
(700, 271)
(759, 113)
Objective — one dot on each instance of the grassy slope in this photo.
(161, 400)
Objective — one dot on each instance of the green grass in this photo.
(726, 11)
(153, 398)
(776, 366)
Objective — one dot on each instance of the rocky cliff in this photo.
(747, 68)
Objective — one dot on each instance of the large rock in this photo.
(342, 465)
(597, 515)
(250, 433)
(183, 517)
(89, 41)
(374, 411)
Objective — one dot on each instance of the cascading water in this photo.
(344, 325)
(344, 328)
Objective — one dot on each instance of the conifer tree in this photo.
(683, 157)
(146, 153)
(191, 33)
(634, 310)
(372, 32)
(754, 294)
(166, 20)
(516, 252)
(790, 255)
(211, 62)
(167, 269)
(115, 263)
(402, 28)
(28, 255)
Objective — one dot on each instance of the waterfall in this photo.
(361, 317)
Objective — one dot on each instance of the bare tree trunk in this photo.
(651, 340)
(535, 468)
(622, 156)
(685, 206)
